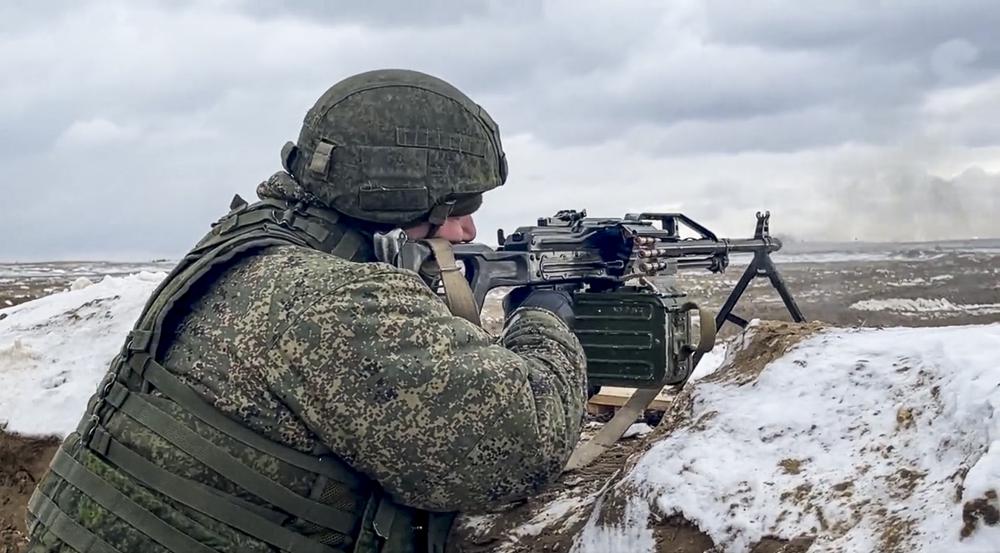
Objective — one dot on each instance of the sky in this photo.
(127, 126)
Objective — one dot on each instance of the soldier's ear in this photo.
(288, 154)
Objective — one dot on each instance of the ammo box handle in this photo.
(706, 323)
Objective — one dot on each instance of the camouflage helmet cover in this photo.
(397, 147)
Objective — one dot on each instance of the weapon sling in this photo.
(457, 292)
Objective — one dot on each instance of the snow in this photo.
(80, 283)
(920, 281)
(850, 433)
(923, 305)
(710, 362)
(632, 535)
(555, 511)
(638, 429)
(54, 350)
(91, 269)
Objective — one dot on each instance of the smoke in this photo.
(903, 203)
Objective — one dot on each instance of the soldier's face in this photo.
(454, 230)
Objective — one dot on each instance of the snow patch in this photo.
(632, 534)
(81, 283)
(17, 353)
(638, 429)
(54, 350)
(711, 361)
(867, 440)
(554, 511)
(924, 305)
(919, 281)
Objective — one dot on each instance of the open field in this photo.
(901, 285)
(907, 284)
(21, 282)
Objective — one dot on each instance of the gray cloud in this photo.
(128, 125)
(399, 14)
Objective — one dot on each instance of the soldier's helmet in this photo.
(397, 147)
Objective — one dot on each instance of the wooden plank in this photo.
(610, 396)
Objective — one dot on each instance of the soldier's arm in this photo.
(427, 403)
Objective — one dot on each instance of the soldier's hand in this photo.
(557, 302)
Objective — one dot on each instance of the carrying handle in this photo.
(706, 323)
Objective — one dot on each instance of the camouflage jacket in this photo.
(364, 358)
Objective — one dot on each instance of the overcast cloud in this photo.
(126, 126)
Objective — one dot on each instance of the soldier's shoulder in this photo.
(305, 269)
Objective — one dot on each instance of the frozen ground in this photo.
(54, 350)
(924, 305)
(871, 440)
(21, 282)
(924, 284)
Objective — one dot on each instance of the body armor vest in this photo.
(343, 511)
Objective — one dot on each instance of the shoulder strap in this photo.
(458, 293)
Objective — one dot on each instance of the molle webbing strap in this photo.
(218, 237)
(68, 531)
(209, 501)
(217, 248)
(175, 390)
(267, 224)
(348, 245)
(231, 468)
(457, 291)
(108, 497)
(439, 214)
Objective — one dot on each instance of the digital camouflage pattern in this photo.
(363, 358)
(388, 146)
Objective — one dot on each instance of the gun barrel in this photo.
(684, 248)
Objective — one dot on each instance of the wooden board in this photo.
(610, 396)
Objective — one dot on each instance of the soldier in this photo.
(283, 391)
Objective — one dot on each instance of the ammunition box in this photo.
(634, 337)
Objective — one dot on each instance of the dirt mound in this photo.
(758, 346)
(23, 460)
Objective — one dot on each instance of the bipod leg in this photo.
(774, 276)
(726, 311)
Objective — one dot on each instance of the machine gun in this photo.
(635, 333)
(630, 316)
